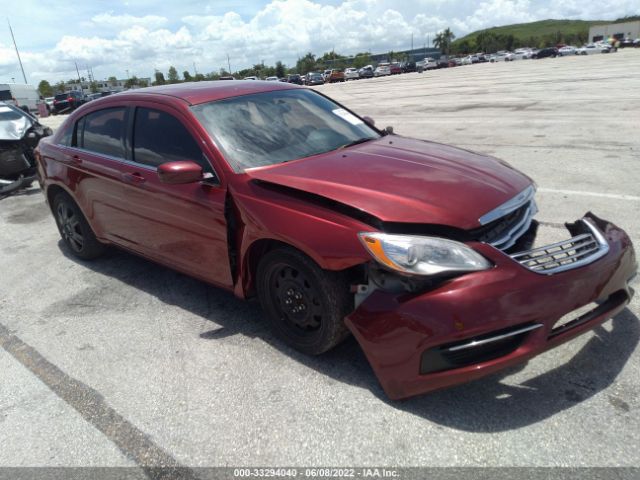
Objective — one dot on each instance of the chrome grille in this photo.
(515, 230)
(568, 254)
(503, 226)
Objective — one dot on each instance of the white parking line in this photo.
(615, 196)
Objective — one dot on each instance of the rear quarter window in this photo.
(103, 132)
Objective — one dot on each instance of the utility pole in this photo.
(229, 64)
(78, 72)
(17, 52)
(195, 70)
(412, 42)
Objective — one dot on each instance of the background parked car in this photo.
(395, 68)
(382, 70)
(20, 132)
(272, 79)
(566, 50)
(366, 72)
(67, 102)
(295, 78)
(314, 78)
(546, 52)
(49, 102)
(351, 74)
(593, 48)
(335, 76)
(408, 67)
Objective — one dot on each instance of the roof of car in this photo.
(201, 92)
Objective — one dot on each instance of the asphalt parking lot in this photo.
(120, 362)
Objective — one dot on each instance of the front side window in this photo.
(103, 132)
(274, 127)
(159, 137)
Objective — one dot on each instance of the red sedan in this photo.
(422, 251)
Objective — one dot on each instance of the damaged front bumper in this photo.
(481, 322)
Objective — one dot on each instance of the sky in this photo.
(123, 38)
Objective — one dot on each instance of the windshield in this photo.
(273, 127)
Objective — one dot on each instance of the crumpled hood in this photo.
(398, 179)
(13, 124)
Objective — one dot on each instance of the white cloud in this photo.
(109, 20)
(178, 34)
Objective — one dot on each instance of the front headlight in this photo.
(422, 255)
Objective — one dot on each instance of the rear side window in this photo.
(159, 137)
(104, 131)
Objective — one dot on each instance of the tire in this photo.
(74, 229)
(306, 305)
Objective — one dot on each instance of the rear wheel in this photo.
(305, 304)
(74, 228)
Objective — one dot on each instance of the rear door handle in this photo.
(134, 178)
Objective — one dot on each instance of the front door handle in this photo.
(134, 178)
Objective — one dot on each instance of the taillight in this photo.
(69, 99)
(55, 101)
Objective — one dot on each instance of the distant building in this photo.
(618, 31)
(102, 85)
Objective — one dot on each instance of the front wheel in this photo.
(74, 228)
(305, 304)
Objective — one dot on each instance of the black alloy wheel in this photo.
(74, 229)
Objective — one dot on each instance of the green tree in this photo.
(93, 86)
(187, 76)
(306, 64)
(199, 77)
(280, 69)
(112, 81)
(159, 78)
(45, 88)
(443, 41)
(132, 82)
(172, 77)
(59, 87)
(361, 60)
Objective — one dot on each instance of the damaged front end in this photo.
(422, 334)
(20, 133)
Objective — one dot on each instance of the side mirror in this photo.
(369, 121)
(389, 130)
(175, 173)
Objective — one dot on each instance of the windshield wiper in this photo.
(355, 142)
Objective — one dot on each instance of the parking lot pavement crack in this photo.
(154, 461)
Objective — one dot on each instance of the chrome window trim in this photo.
(145, 166)
(509, 206)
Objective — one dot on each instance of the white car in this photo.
(593, 48)
(351, 74)
(382, 70)
(272, 79)
(567, 50)
(502, 57)
(251, 78)
(523, 54)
